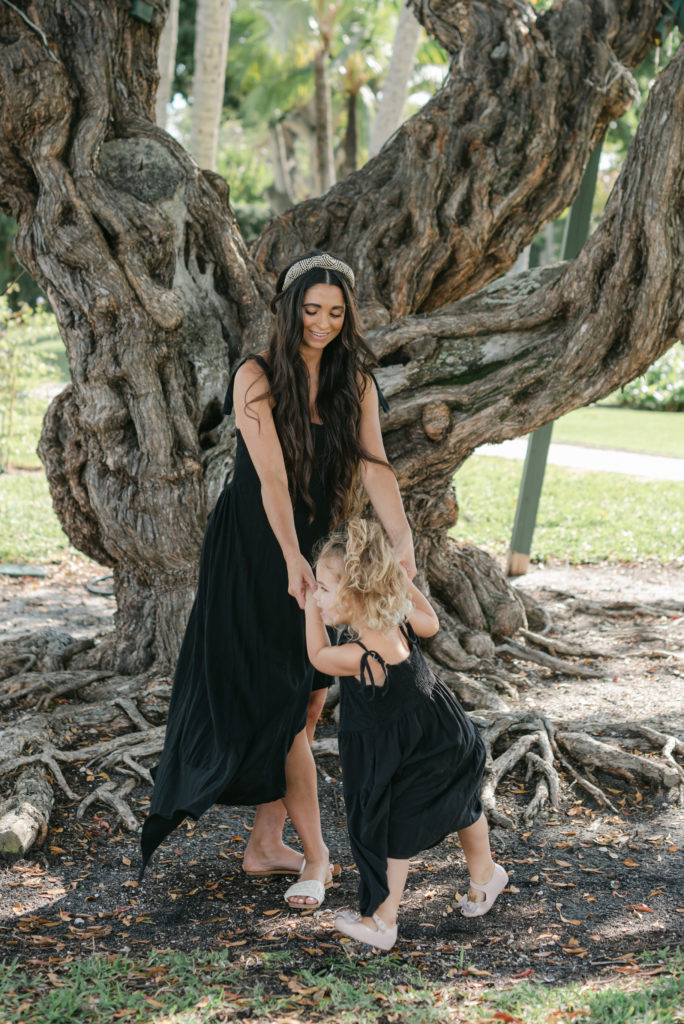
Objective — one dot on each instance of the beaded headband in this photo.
(325, 261)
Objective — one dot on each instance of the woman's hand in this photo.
(299, 577)
(405, 554)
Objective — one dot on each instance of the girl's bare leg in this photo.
(301, 801)
(397, 873)
(478, 855)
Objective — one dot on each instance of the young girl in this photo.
(412, 761)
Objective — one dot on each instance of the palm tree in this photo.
(166, 62)
(212, 28)
(396, 83)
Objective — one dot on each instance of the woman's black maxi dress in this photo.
(412, 766)
(243, 678)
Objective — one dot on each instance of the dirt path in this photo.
(589, 888)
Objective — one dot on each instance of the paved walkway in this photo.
(604, 460)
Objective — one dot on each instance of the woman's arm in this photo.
(256, 424)
(381, 483)
(423, 617)
(343, 660)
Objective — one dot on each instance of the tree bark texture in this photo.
(157, 295)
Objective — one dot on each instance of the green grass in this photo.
(633, 430)
(180, 988)
(29, 528)
(583, 516)
(633, 1000)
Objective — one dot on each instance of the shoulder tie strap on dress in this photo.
(384, 404)
(366, 675)
(228, 400)
(409, 632)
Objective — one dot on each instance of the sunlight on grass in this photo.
(583, 516)
(180, 988)
(29, 529)
(184, 989)
(639, 998)
(632, 430)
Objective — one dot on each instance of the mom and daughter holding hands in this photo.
(256, 657)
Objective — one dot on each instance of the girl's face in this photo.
(322, 316)
(328, 574)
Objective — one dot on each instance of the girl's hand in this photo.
(299, 577)
(406, 556)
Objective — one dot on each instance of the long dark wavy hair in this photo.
(345, 362)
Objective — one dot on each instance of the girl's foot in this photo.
(376, 934)
(481, 897)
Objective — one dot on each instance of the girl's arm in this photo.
(257, 427)
(381, 484)
(343, 660)
(423, 617)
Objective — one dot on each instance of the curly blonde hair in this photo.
(373, 582)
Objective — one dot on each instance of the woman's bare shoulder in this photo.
(249, 372)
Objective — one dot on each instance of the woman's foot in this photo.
(309, 892)
(371, 930)
(481, 897)
(277, 859)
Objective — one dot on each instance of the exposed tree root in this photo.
(107, 793)
(108, 724)
(556, 646)
(24, 819)
(516, 650)
(38, 744)
(620, 609)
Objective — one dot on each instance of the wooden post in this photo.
(574, 237)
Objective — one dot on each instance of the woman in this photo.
(308, 424)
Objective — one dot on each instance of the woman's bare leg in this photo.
(266, 850)
(301, 801)
(316, 702)
(478, 855)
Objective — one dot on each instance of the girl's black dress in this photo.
(243, 679)
(412, 765)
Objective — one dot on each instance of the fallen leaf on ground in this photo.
(566, 920)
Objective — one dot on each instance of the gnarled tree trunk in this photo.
(157, 295)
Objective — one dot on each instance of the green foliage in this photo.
(661, 387)
(22, 365)
(24, 288)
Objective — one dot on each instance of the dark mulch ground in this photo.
(589, 889)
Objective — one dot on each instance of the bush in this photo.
(661, 387)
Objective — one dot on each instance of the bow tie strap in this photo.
(366, 675)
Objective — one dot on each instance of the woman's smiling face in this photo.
(323, 312)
